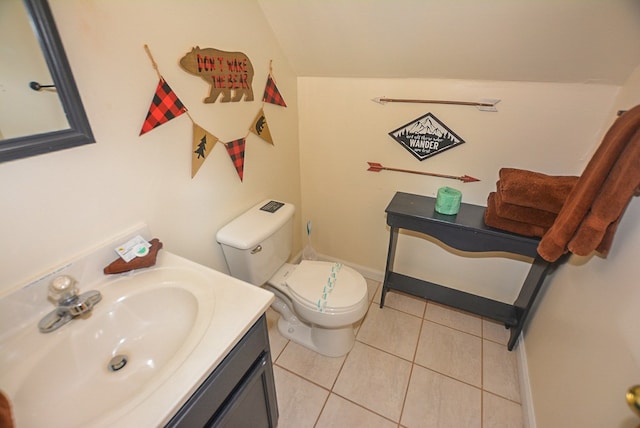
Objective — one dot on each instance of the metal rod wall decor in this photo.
(482, 105)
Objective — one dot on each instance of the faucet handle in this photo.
(62, 288)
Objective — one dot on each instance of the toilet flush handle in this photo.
(257, 249)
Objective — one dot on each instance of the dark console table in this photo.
(464, 231)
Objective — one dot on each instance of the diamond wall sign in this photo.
(426, 136)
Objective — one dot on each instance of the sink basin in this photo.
(151, 320)
(137, 357)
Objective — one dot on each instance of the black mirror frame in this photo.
(79, 131)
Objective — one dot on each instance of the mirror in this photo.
(77, 131)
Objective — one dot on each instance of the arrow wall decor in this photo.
(482, 105)
(376, 167)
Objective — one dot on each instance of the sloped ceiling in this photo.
(587, 41)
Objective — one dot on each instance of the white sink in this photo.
(172, 323)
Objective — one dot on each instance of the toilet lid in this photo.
(326, 285)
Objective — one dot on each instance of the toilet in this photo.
(319, 302)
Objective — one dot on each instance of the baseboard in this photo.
(528, 415)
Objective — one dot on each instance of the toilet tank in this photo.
(258, 242)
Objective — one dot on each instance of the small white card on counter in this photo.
(134, 247)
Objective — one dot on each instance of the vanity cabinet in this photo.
(241, 390)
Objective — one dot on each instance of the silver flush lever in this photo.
(257, 249)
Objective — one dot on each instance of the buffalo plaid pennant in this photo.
(236, 152)
(164, 107)
(271, 93)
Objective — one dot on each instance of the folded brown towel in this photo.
(523, 214)
(491, 218)
(534, 189)
(554, 243)
(617, 190)
(6, 418)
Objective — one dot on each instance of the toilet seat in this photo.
(327, 287)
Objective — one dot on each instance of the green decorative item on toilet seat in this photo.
(448, 201)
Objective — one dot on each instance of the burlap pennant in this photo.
(236, 151)
(203, 142)
(260, 127)
(164, 107)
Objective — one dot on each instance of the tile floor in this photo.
(414, 364)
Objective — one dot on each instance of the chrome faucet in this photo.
(64, 292)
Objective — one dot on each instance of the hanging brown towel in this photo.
(6, 418)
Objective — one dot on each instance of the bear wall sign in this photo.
(226, 72)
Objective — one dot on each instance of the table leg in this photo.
(530, 289)
(391, 255)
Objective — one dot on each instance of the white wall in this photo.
(56, 205)
(583, 345)
(549, 128)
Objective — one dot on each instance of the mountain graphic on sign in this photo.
(430, 127)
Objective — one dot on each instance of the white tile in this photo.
(277, 342)
(434, 400)
(339, 412)
(310, 365)
(299, 401)
(403, 302)
(450, 352)
(454, 318)
(375, 380)
(498, 412)
(391, 330)
(371, 382)
(372, 287)
(500, 371)
(495, 331)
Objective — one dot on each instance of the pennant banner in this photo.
(203, 142)
(164, 107)
(271, 93)
(260, 127)
(236, 152)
